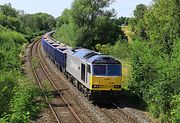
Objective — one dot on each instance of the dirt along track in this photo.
(85, 110)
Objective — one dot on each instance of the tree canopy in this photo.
(16, 91)
(28, 24)
(91, 23)
(7, 10)
(155, 68)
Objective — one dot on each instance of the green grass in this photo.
(126, 68)
(128, 32)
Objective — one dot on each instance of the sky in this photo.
(55, 7)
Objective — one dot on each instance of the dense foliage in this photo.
(122, 21)
(16, 91)
(120, 50)
(87, 23)
(35, 24)
(155, 58)
(30, 25)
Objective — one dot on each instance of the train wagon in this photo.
(60, 57)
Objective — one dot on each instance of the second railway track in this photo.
(116, 114)
(128, 116)
(64, 112)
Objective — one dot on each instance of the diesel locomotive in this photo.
(98, 76)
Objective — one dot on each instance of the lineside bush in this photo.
(16, 92)
(155, 77)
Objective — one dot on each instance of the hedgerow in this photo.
(16, 92)
(155, 77)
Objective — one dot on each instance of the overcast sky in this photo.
(55, 7)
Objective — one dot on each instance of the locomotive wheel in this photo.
(86, 92)
(66, 75)
(89, 95)
(63, 70)
(60, 68)
(75, 82)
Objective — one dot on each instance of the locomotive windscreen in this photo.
(99, 69)
(107, 70)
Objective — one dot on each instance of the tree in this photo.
(159, 23)
(7, 10)
(162, 23)
(155, 60)
(86, 11)
(122, 21)
(93, 23)
(66, 31)
(140, 11)
(8, 17)
(33, 23)
(65, 18)
(9, 22)
(137, 23)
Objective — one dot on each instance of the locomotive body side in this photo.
(77, 69)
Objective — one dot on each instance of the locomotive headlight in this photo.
(95, 86)
(117, 86)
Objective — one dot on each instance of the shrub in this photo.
(16, 92)
(155, 78)
(7, 82)
(120, 50)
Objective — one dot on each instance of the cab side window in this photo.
(88, 69)
(83, 72)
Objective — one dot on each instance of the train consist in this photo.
(98, 76)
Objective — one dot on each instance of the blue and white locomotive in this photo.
(93, 73)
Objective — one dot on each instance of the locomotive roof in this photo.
(81, 52)
(102, 59)
(94, 57)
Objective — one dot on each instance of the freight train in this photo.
(98, 76)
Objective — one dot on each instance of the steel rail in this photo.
(39, 82)
(124, 113)
(52, 83)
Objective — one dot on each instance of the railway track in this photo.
(39, 82)
(116, 114)
(128, 116)
(66, 108)
(113, 114)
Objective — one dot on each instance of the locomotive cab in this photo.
(106, 77)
